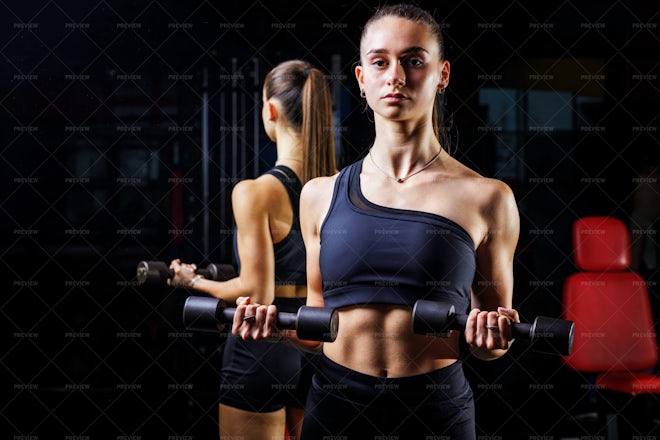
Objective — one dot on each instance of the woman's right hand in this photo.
(255, 321)
(183, 273)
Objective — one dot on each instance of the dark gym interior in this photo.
(126, 124)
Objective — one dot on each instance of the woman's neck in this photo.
(401, 147)
(289, 151)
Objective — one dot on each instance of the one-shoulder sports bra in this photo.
(373, 254)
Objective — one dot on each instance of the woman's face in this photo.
(401, 70)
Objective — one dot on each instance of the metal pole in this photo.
(255, 118)
(205, 163)
(336, 99)
(223, 168)
(243, 151)
(234, 120)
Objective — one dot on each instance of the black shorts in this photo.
(345, 404)
(260, 376)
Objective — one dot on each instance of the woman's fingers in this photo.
(491, 330)
(254, 321)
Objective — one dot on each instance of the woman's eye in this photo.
(413, 62)
(378, 63)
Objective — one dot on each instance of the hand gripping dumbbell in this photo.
(310, 323)
(548, 335)
(158, 272)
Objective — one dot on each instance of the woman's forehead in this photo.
(397, 34)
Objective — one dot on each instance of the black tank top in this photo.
(290, 252)
(374, 254)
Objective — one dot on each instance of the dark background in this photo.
(104, 164)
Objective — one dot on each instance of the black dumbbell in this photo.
(158, 272)
(310, 323)
(548, 335)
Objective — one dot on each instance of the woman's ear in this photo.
(444, 75)
(359, 75)
(271, 111)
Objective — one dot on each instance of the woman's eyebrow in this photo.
(412, 49)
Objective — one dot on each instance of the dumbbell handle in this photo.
(285, 320)
(310, 323)
(519, 330)
(157, 272)
(549, 335)
(203, 271)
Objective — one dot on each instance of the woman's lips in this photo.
(394, 97)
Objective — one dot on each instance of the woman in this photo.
(406, 222)
(263, 385)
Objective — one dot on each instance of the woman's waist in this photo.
(366, 373)
(290, 291)
(359, 390)
(379, 340)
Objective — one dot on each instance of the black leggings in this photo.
(345, 404)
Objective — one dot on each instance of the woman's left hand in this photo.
(490, 330)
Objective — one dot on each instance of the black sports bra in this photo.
(290, 256)
(375, 254)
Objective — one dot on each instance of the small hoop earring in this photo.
(363, 94)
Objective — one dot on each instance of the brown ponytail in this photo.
(317, 127)
(306, 103)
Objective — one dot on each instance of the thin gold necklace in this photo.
(404, 178)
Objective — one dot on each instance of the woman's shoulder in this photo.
(492, 198)
(260, 192)
(492, 188)
(487, 188)
(319, 185)
(489, 207)
(497, 205)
